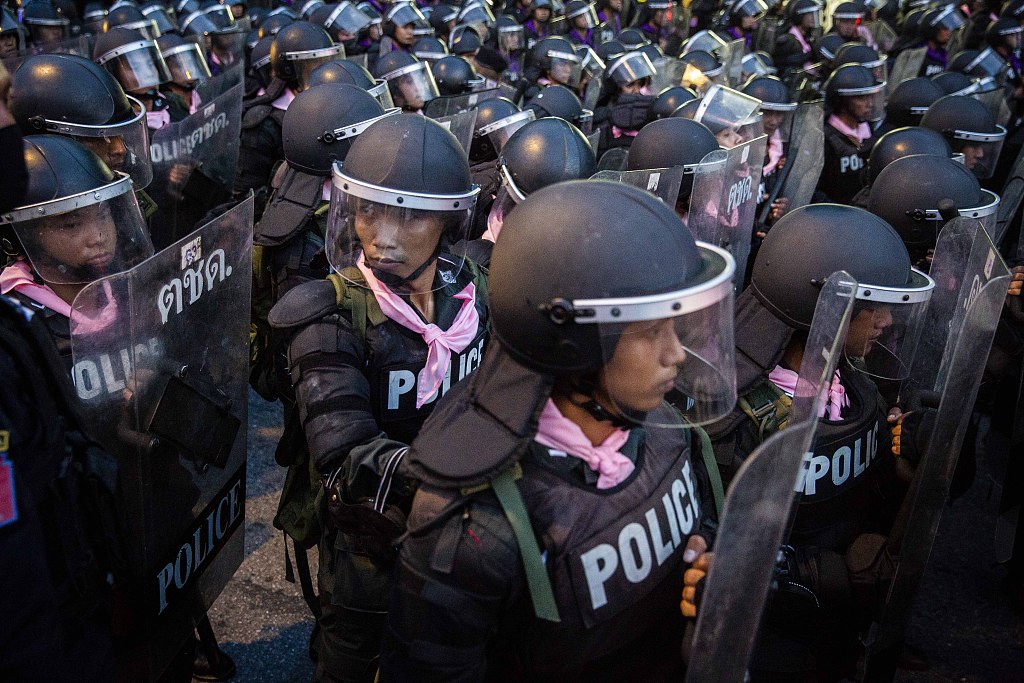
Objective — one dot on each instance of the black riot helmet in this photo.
(464, 40)
(796, 10)
(908, 193)
(706, 63)
(772, 92)
(74, 199)
(557, 100)
(544, 152)
(135, 62)
(455, 76)
(946, 17)
(960, 60)
(441, 16)
(855, 81)
(70, 95)
(299, 48)
(342, 71)
(672, 142)
(155, 12)
(670, 99)
(409, 80)
(404, 175)
(566, 292)
(496, 115)
(556, 57)
(429, 49)
(274, 23)
(910, 26)
(322, 123)
(970, 128)
(858, 53)
(833, 237)
(826, 48)
(184, 58)
(1004, 33)
(45, 22)
(260, 60)
(392, 61)
(910, 100)
(130, 16)
(955, 83)
(632, 39)
(610, 50)
(93, 16)
(905, 142)
(630, 68)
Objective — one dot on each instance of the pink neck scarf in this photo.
(495, 219)
(562, 434)
(156, 120)
(619, 132)
(284, 100)
(195, 101)
(440, 343)
(861, 133)
(774, 153)
(18, 277)
(835, 402)
(799, 35)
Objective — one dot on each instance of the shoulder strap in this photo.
(358, 300)
(767, 406)
(537, 579)
(707, 454)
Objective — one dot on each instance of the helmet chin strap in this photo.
(587, 387)
(398, 283)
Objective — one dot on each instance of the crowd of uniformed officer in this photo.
(533, 283)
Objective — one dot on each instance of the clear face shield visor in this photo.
(149, 29)
(584, 19)
(228, 46)
(122, 146)
(566, 68)
(988, 63)
(949, 19)
(307, 61)
(78, 239)
(397, 237)
(886, 325)
(778, 118)
(980, 150)
(412, 86)
(631, 67)
(501, 130)
(592, 65)
(382, 94)
(700, 82)
(809, 19)
(754, 65)
(93, 22)
(724, 108)
(137, 66)
(44, 31)
(511, 39)
(187, 64)
(865, 104)
(707, 41)
(348, 18)
(676, 346)
(158, 15)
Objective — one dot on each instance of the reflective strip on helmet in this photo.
(406, 200)
(55, 207)
(972, 136)
(355, 129)
(303, 55)
(108, 130)
(899, 295)
(126, 48)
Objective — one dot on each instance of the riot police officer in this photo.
(853, 98)
(544, 473)
(401, 320)
(850, 490)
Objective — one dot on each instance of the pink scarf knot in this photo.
(18, 277)
(774, 153)
(836, 400)
(562, 434)
(861, 133)
(799, 35)
(440, 343)
(156, 120)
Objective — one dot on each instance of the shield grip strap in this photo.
(707, 454)
(537, 578)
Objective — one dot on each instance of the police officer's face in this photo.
(112, 150)
(397, 241)
(83, 240)
(644, 366)
(49, 34)
(542, 14)
(771, 121)
(404, 35)
(972, 155)
(8, 44)
(728, 138)
(847, 28)
(943, 35)
(860, 106)
(748, 23)
(616, 5)
(865, 328)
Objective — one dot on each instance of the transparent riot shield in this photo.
(79, 45)
(768, 28)
(806, 154)
(663, 183)
(1010, 199)
(970, 287)
(956, 40)
(615, 159)
(883, 34)
(594, 139)
(461, 126)
(734, 63)
(206, 141)
(453, 104)
(724, 199)
(668, 72)
(907, 65)
(161, 367)
(592, 93)
(212, 88)
(759, 504)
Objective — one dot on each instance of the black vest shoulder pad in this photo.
(483, 426)
(256, 115)
(290, 208)
(303, 304)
